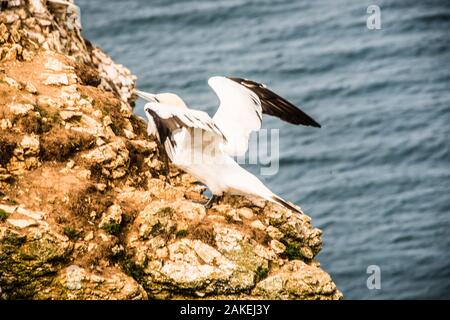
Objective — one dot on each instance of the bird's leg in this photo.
(165, 160)
(213, 200)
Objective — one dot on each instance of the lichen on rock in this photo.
(86, 211)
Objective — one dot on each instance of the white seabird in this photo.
(204, 147)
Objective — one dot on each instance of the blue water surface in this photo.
(376, 177)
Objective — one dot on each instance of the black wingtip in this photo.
(286, 204)
(315, 124)
(309, 121)
(298, 117)
(275, 105)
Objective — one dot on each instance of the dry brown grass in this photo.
(8, 142)
(88, 75)
(101, 253)
(7, 95)
(203, 232)
(108, 104)
(59, 144)
(48, 189)
(139, 126)
(137, 165)
(31, 123)
(88, 200)
(260, 236)
(30, 72)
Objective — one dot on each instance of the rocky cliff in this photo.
(85, 211)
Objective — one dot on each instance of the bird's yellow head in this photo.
(170, 99)
(164, 98)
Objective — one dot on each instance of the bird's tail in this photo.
(249, 184)
(276, 199)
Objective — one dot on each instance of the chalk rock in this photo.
(22, 223)
(298, 280)
(30, 145)
(30, 88)
(75, 282)
(112, 215)
(56, 79)
(69, 115)
(20, 109)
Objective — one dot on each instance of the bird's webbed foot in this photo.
(213, 200)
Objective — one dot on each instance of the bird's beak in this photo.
(147, 96)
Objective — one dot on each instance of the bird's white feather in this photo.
(238, 115)
(193, 132)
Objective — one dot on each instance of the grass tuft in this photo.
(71, 233)
(261, 273)
(3, 215)
(112, 228)
(181, 233)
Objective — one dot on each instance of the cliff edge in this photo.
(85, 212)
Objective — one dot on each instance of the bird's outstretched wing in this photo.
(169, 120)
(274, 105)
(242, 103)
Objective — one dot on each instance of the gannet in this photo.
(204, 147)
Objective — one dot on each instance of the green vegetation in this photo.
(261, 273)
(3, 215)
(165, 211)
(54, 117)
(41, 111)
(71, 233)
(112, 228)
(181, 233)
(291, 251)
(133, 270)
